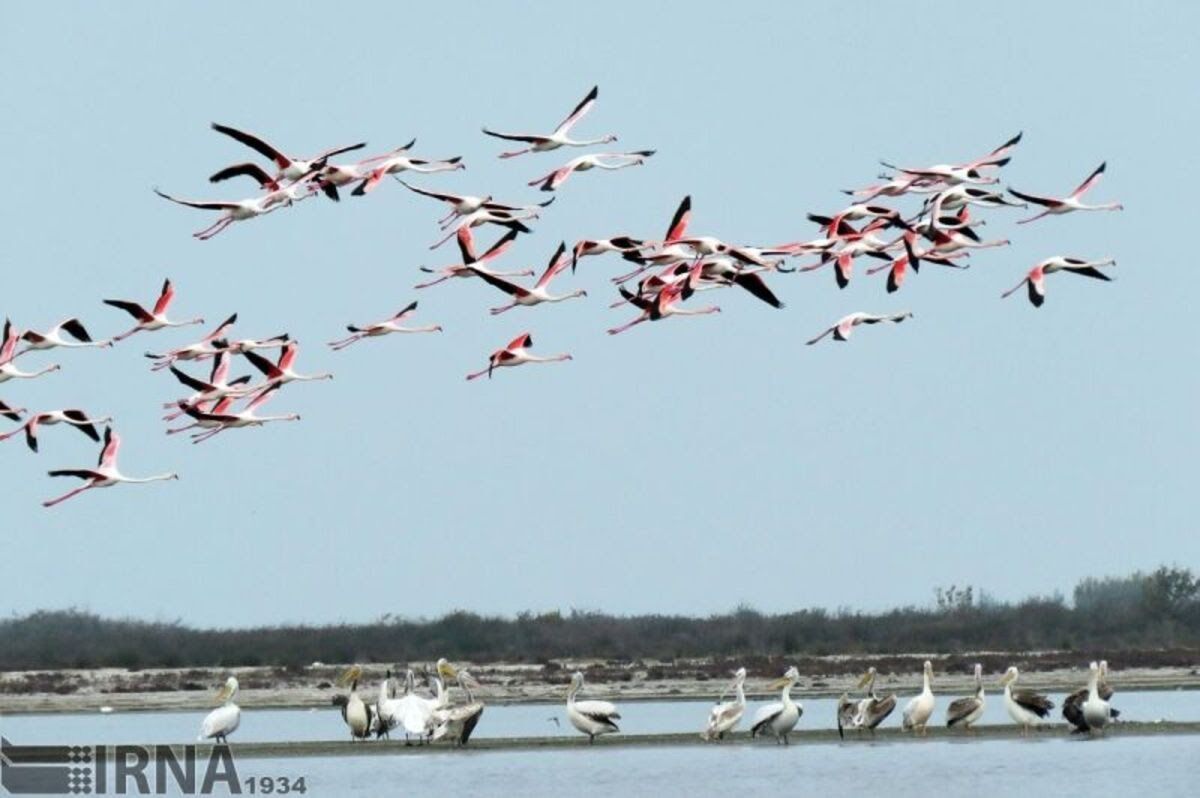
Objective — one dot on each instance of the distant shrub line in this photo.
(1153, 610)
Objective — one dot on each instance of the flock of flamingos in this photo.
(663, 274)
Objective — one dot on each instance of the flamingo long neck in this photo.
(585, 142)
(155, 478)
(1106, 206)
(424, 329)
(695, 312)
(571, 295)
(549, 359)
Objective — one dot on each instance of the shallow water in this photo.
(1158, 765)
(521, 720)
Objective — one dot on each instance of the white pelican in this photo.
(1072, 709)
(919, 709)
(593, 718)
(354, 710)
(872, 710)
(223, 720)
(966, 711)
(387, 708)
(779, 717)
(1096, 712)
(1025, 707)
(726, 715)
(458, 721)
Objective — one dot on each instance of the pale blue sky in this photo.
(681, 467)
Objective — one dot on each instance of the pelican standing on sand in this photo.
(1096, 712)
(726, 715)
(919, 709)
(966, 711)
(872, 710)
(1072, 709)
(458, 721)
(592, 718)
(223, 720)
(1025, 707)
(779, 717)
(354, 710)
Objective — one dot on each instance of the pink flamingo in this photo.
(281, 372)
(466, 204)
(386, 327)
(628, 247)
(664, 305)
(529, 297)
(54, 337)
(105, 474)
(560, 137)
(1036, 279)
(289, 168)
(600, 160)
(1072, 202)
(466, 247)
(10, 412)
(75, 418)
(967, 172)
(150, 320)
(845, 326)
(203, 349)
(515, 353)
(233, 211)
(218, 386)
(224, 420)
(8, 351)
(397, 162)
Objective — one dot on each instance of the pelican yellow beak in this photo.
(865, 680)
(779, 683)
(1005, 680)
(446, 670)
(222, 695)
(352, 674)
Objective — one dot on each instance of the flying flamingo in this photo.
(218, 408)
(76, 418)
(466, 246)
(243, 418)
(243, 345)
(234, 211)
(665, 252)
(466, 204)
(289, 168)
(1036, 279)
(9, 412)
(203, 349)
(628, 247)
(561, 135)
(964, 173)
(385, 327)
(277, 192)
(218, 386)
(331, 177)
(397, 162)
(515, 353)
(1055, 206)
(599, 160)
(529, 297)
(104, 475)
(894, 186)
(664, 305)
(281, 373)
(151, 320)
(845, 326)
(510, 219)
(724, 271)
(8, 350)
(898, 267)
(54, 337)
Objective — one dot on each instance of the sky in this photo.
(682, 467)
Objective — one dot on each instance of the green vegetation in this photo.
(1158, 610)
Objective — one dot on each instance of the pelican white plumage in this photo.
(920, 708)
(969, 709)
(1072, 706)
(872, 710)
(725, 715)
(592, 718)
(355, 711)
(1026, 707)
(223, 720)
(457, 721)
(779, 717)
(387, 708)
(1096, 711)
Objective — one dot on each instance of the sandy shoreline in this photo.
(505, 683)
